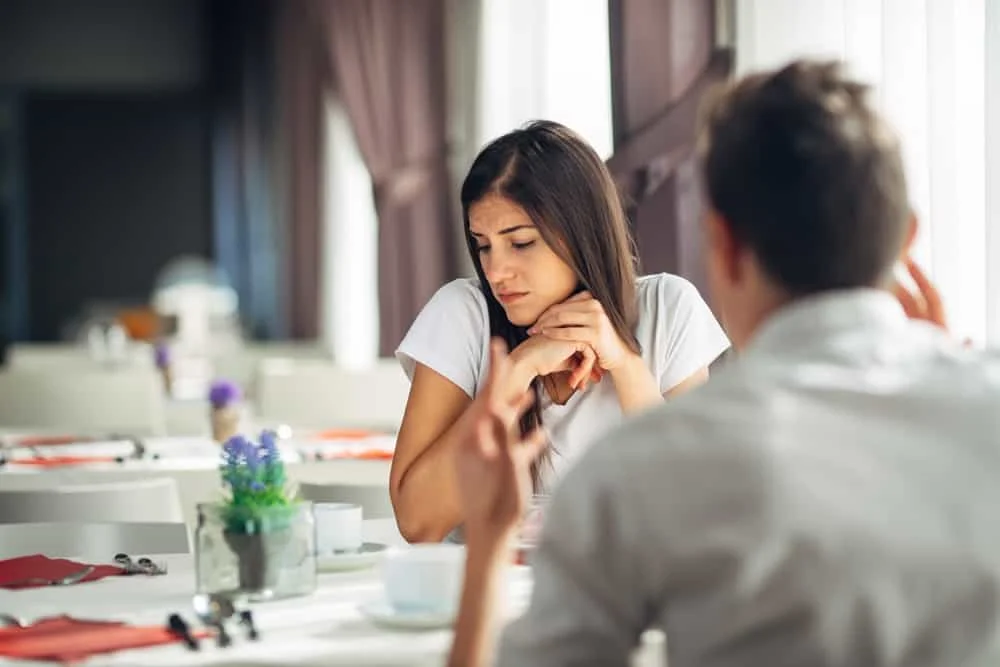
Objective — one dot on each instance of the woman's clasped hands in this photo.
(574, 336)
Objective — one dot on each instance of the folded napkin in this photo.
(58, 461)
(345, 434)
(15, 571)
(66, 640)
(49, 440)
(365, 454)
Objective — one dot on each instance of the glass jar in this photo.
(269, 555)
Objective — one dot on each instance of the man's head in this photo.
(806, 191)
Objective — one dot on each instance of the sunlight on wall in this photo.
(349, 321)
(546, 59)
(926, 61)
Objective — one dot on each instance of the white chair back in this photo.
(322, 395)
(85, 400)
(239, 363)
(98, 542)
(64, 357)
(374, 500)
(153, 500)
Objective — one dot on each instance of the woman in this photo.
(556, 280)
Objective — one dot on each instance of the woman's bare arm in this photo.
(422, 481)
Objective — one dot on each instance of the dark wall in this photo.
(88, 44)
(117, 186)
(115, 159)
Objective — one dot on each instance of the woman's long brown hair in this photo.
(563, 186)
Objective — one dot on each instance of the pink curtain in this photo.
(388, 62)
(663, 59)
(302, 79)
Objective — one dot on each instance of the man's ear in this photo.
(723, 245)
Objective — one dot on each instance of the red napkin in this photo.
(65, 639)
(56, 461)
(50, 440)
(14, 570)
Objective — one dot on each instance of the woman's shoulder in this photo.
(449, 334)
(659, 290)
(460, 290)
(461, 296)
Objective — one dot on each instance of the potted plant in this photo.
(224, 397)
(259, 512)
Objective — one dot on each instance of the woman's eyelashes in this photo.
(517, 246)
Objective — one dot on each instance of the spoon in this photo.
(213, 609)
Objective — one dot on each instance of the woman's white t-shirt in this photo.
(677, 333)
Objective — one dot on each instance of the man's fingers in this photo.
(486, 437)
(499, 367)
(520, 406)
(911, 306)
(931, 296)
(532, 446)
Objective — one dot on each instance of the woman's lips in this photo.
(510, 297)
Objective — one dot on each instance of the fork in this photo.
(68, 580)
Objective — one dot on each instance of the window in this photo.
(927, 61)
(546, 59)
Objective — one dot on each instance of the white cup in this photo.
(338, 528)
(424, 578)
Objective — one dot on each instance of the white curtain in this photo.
(546, 59)
(934, 77)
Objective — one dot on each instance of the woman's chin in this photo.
(519, 317)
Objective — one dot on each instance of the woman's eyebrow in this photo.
(507, 230)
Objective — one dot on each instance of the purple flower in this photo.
(161, 355)
(269, 446)
(223, 393)
(236, 448)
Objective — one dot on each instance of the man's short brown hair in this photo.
(808, 175)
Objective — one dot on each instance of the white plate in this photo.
(382, 613)
(369, 554)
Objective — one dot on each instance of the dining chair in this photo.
(97, 541)
(374, 500)
(320, 394)
(150, 500)
(102, 401)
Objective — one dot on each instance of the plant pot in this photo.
(268, 555)
(260, 558)
(225, 422)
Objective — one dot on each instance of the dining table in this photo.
(193, 462)
(325, 628)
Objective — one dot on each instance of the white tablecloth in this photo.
(194, 463)
(325, 628)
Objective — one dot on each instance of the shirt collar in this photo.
(815, 318)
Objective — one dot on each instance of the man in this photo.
(831, 496)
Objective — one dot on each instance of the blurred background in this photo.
(252, 180)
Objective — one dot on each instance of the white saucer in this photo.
(368, 555)
(382, 613)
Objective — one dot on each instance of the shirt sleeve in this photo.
(687, 335)
(587, 605)
(449, 336)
